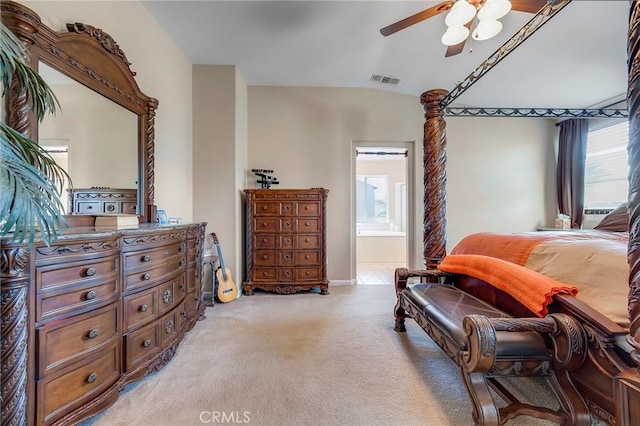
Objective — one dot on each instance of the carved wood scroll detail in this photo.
(435, 178)
(103, 38)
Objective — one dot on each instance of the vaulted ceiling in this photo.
(578, 59)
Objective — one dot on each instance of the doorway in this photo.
(382, 210)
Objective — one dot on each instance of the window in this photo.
(606, 167)
(372, 199)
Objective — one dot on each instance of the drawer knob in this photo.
(144, 308)
(287, 208)
(306, 256)
(166, 296)
(92, 377)
(93, 333)
(264, 207)
(91, 294)
(307, 273)
(287, 273)
(91, 271)
(146, 258)
(264, 256)
(265, 224)
(307, 224)
(146, 277)
(306, 240)
(287, 224)
(146, 343)
(111, 208)
(306, 207)
(181, 264)
(264, 240)
(287, 257)
(264, 273)
(287, 241)
(180, 249)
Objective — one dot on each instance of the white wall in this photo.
(220, 158)
(498, 171)
(163, 72)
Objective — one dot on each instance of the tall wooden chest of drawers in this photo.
(286, 240)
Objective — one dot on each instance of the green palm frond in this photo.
(30, 180)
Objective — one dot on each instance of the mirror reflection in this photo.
(95, 139)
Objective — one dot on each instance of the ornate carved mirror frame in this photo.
(91, 57)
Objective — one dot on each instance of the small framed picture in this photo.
(162, 217)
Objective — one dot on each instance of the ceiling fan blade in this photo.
(418, 17)
(531, 6)
(455, 49)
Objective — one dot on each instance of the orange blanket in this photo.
(530, 288)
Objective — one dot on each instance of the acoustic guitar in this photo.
(227, 289)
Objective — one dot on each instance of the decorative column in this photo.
(633, 101)
(14, 332)
(435, 177)
(148, 161)
(14, 261)
(627, 384)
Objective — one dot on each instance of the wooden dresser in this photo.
(102, 200)
(91, 313)
(286, 240)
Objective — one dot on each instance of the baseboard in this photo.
(342, 282)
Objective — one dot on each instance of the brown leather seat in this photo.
(446, 306)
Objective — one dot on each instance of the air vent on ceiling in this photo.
(384, 79)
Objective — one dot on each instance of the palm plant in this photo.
(30, 180)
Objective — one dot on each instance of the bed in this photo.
(607, 304)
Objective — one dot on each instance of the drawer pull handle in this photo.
(287, 258)
(264, 207)
(264, 273)
(306, 207)
(91, 294)
(144, 308)
(146, 343)
(92, 377)
(91, 271)
(287, 208)
(307, 273)
(166, 296)
(93, 333)
(306, 240)
(181, 264)
(287, 241)
(264, 256)
(265, 224)
(287, 224)
(288, 273)
(306, 256)
(264, 240)
(180, 249)
(146, 277)
(307, 224)
(146, 258)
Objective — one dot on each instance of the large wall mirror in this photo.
(103, 132)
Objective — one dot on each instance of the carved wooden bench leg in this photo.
(484, 408)
(402, 275)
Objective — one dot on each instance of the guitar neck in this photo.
(221, 259)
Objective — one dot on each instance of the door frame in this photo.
(410, 167)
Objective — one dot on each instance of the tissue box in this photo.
(563, 223)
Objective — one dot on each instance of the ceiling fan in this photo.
(483, 15)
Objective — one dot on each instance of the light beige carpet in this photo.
(303, 359)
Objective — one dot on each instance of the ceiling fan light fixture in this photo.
(493, 10)
(486, 29)
(455, 35)
(461, 13)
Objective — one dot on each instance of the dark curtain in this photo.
(572, 151)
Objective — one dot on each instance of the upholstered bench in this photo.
(489, 344)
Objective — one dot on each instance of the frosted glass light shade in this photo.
(461, 13)
(455, 35)
(494, 9)
(486, 29)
